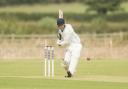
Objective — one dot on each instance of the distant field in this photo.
(94, 74)
(51, 8)
(48, 8)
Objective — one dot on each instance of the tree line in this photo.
(15, 2)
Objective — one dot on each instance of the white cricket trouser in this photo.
(72, 56)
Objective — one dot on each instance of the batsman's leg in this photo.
(74, 59)
(67, 59)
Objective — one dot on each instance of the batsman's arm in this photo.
(59, 36)
(65, 39)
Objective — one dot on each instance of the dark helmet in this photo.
(60, 21)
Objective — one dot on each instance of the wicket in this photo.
(49, 61)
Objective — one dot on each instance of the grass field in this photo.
(94, 74)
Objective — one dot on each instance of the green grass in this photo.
(20, 83)
(48, 8)
(94, 74)
(104, 67)
(36, 68)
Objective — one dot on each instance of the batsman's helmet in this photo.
(60, 21)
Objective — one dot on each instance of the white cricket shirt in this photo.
(69, 36)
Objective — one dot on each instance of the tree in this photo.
(103, 6)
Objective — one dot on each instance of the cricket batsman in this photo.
(67, 36)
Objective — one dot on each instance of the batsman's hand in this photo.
(59, 36)
(59, 42)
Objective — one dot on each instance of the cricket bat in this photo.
(60, 13)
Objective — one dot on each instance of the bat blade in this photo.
(60, 13)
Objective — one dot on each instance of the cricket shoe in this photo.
(69, 75)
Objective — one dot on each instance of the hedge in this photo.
(122, 17)
(40, 23)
